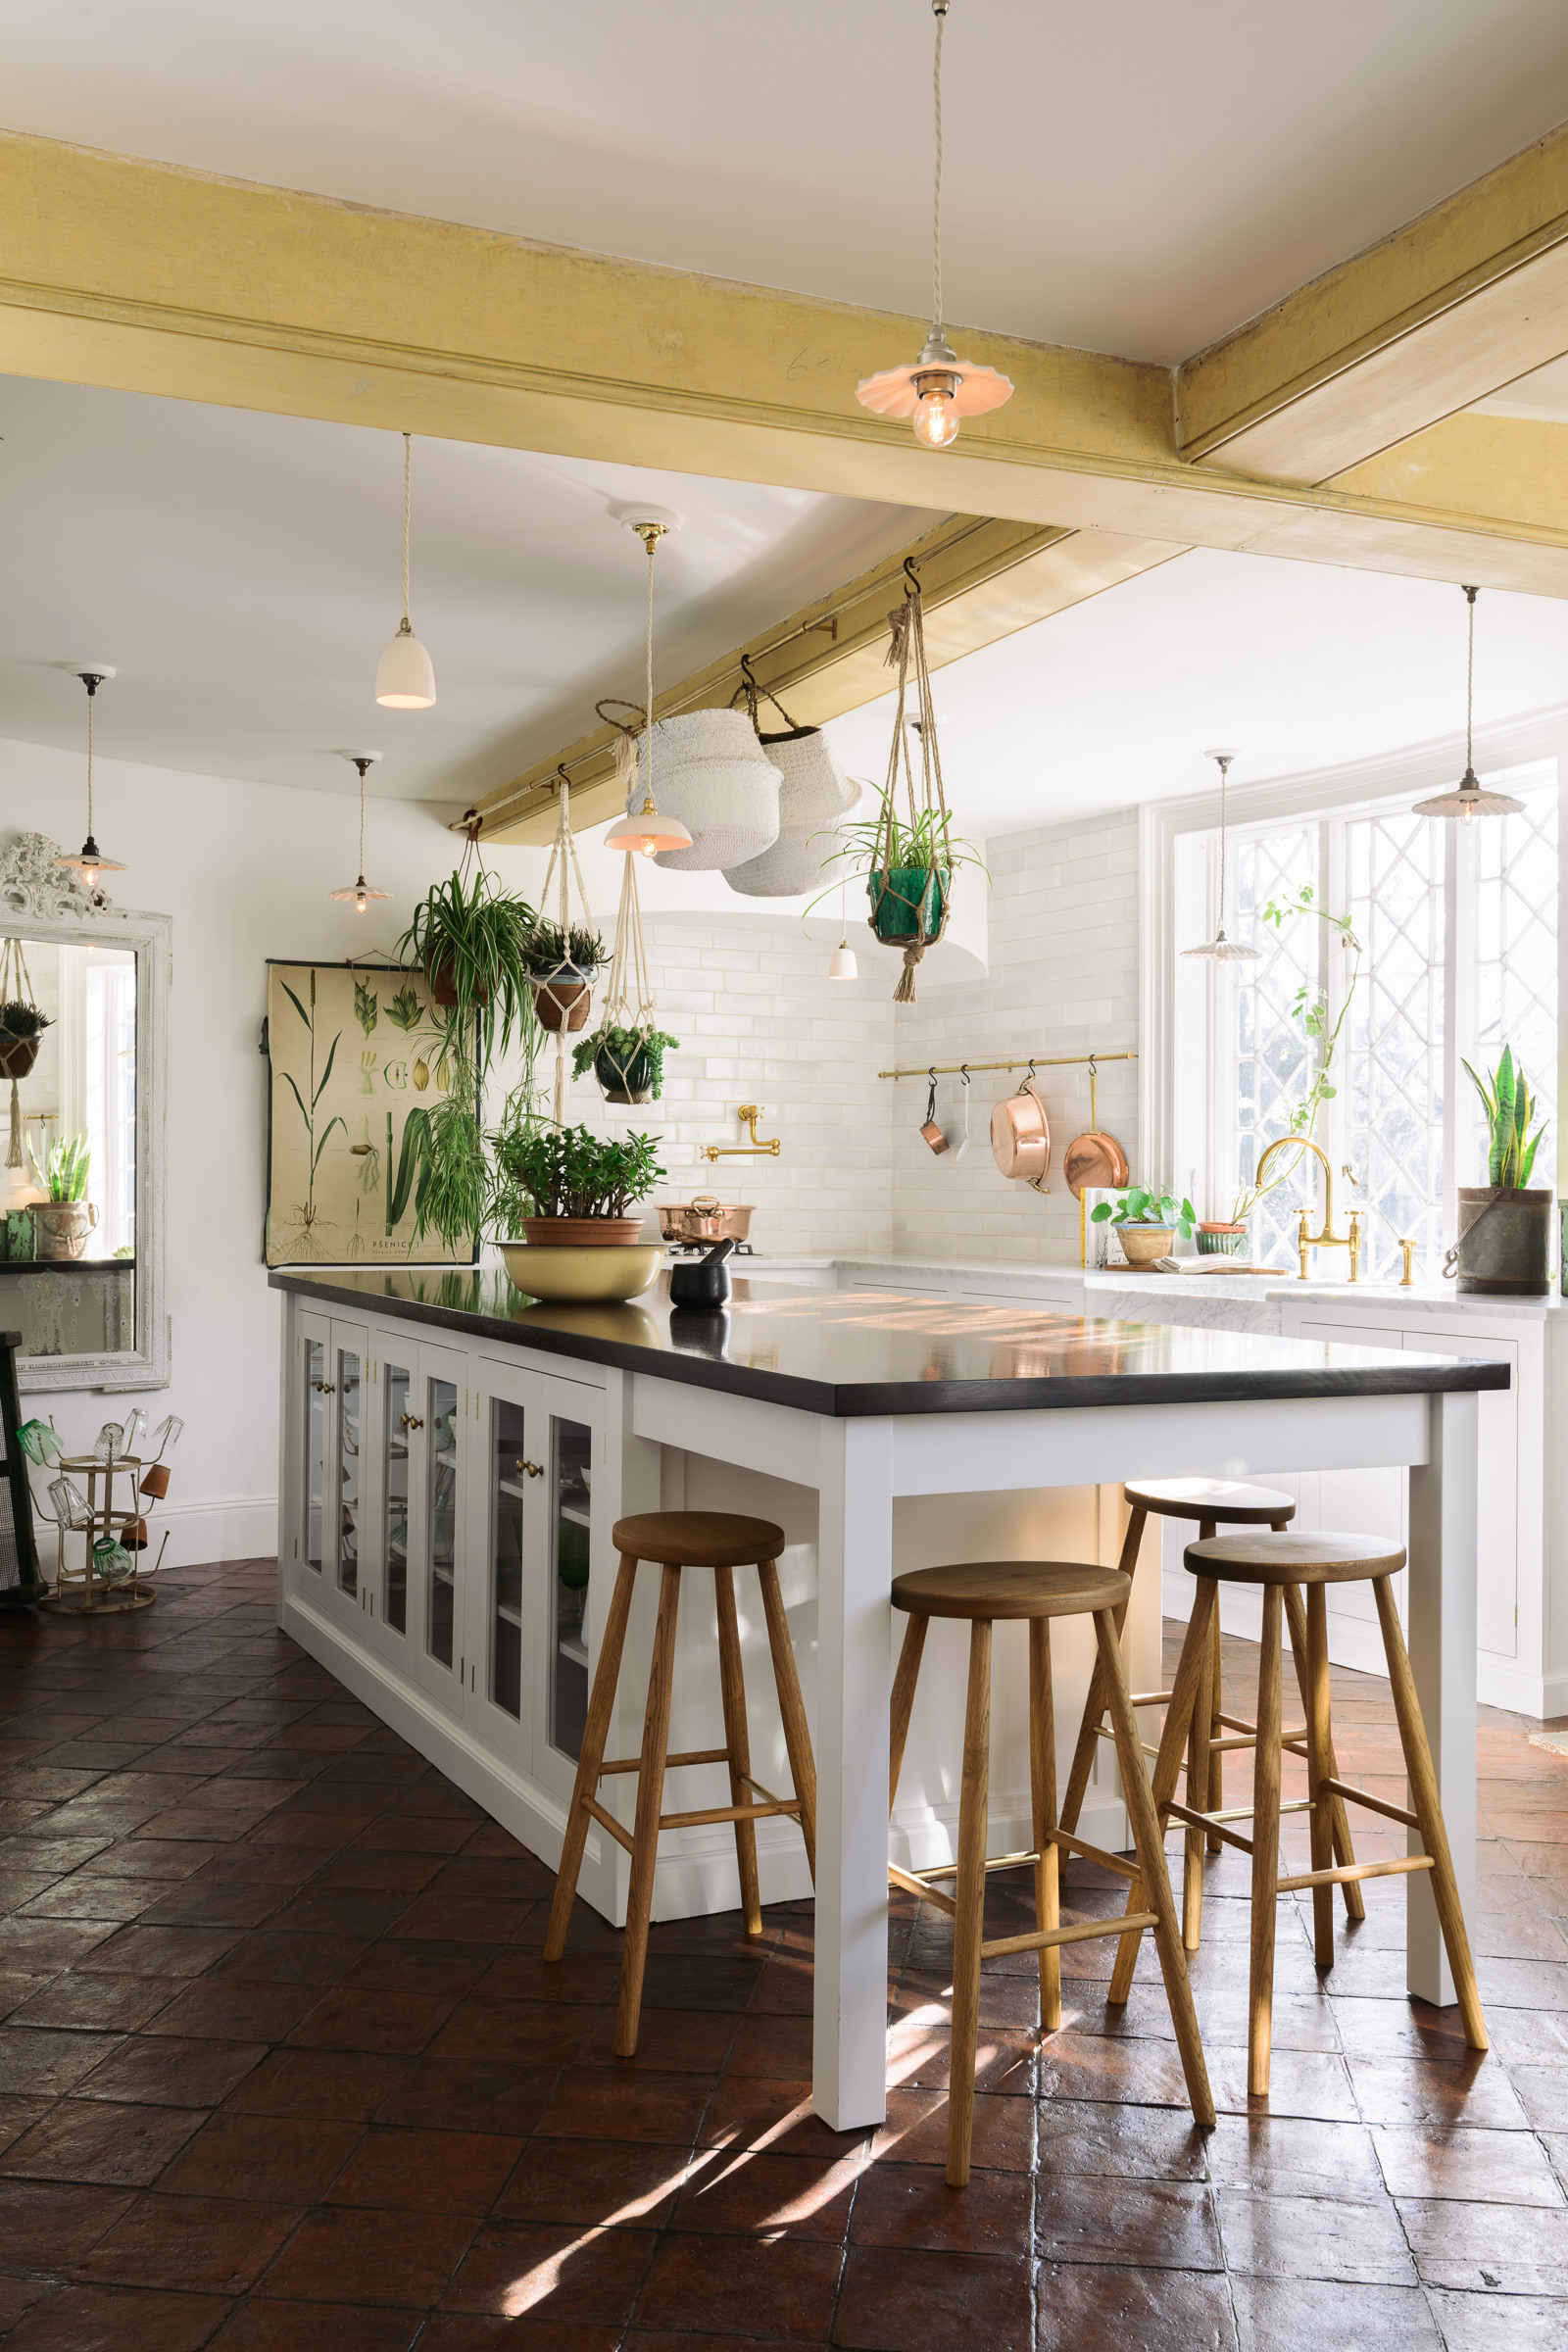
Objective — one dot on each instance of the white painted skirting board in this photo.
(1499, 1681)
(215, 1526)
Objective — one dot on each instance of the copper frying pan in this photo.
(1094, 1162)
(1020, 1136)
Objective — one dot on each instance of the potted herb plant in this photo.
(628, 1063)
(1146, 1221)
(62, 1222)
(561, 968)
(1504, 1227)
(572, 1194)
(21, 1028)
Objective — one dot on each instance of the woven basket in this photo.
(712, 772)
(815, 795)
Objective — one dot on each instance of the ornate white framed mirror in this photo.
(84, 1128)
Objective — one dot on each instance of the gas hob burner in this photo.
(701, 1249)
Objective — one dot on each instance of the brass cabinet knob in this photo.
(324, 1388)
(534, 1469)
(412, 1421)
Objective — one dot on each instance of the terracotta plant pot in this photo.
(604, 1233)
(1142, 1244)
(563, 1004)
(61, 1227)
(18, 1055)
(444, 991)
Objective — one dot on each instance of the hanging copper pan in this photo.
(1020, 1136)
(1094, 1162)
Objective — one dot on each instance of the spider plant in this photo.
(549, 948)
(471, 940)
(888, 842)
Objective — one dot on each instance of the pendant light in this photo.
(361, 894)
(647, 833)
(840, 965)
(1468, 800)
(940, 389)
(91, 862)
(1219, 949)
(404, 678)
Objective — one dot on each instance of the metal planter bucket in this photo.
(1504, 1242)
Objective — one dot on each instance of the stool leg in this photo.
(904, 1683)
(1318, 1768)
(1167, 1767)
(650, 1804)
(1083, 1755)
(732, 1687)
(969, 1895)
(792, 1708)
(1149, 1846)
(1427, 1807)
(1265, 1848)
(1043, 1794)
(1214, 1801)
(1339, 1820)
(1202, 1768)
(596, 1731)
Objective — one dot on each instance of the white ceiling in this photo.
(242, 572)
(1118, 177)
(1296, 667)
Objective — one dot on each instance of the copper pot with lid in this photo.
(704, 1219)
(1020, 1136)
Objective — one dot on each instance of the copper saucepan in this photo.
(1094, 1162)
(930, 1133)
(704, 1219)
(1020, 1136)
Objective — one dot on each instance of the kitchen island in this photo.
(454, 1456)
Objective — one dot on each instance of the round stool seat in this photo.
(1260, 1558)
(1224, 1500)
(1010, 1589)
(697, 1538)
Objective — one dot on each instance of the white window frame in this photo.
(1180, 1001)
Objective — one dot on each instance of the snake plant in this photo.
(1509, 1105)
(64, 1174)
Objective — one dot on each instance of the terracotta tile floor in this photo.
(280, 2066)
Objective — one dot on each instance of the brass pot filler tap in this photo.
(748, 1114)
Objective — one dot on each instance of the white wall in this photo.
(1063, 978)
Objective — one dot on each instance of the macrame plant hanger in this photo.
(898, 918)
(17, 1053)
(629, 1003)
(562, 985)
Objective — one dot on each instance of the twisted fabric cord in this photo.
(940, 8)
(408, 461)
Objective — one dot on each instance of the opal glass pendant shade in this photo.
(404, 678)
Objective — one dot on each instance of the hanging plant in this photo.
(628, 1063)
(470, 938)
(562, 968)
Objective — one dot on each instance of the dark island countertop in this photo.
(871, 1351)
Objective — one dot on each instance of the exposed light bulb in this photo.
(361, 899)
(935, 420)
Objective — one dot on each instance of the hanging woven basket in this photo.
(815, 795)
(711, 772)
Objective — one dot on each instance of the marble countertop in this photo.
(869, 1350)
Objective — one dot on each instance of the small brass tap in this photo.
(1305, 1238)
(1408, 1279)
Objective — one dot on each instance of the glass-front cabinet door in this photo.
(426, 1443)
(344, 1515)
(395, 1436)
(566, 1537)
(308, 1443)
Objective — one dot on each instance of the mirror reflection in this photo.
(67, 1117)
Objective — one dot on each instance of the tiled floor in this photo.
(280, 2066)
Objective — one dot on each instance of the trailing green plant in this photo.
(1139, 1204)
(1311, 1008)
(546, 1171)
(621, 1048)
(19, 1018)
(472, 938)
(1509, 1108)
(890, 843)
(549, 948)
(64, 1174)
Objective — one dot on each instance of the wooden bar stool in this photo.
(1035, 1590)
(722, 1540)
(1213, 1503)
(1278, 1564)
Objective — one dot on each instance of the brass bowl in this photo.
(593, 1271)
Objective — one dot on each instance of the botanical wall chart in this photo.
(356, 1063)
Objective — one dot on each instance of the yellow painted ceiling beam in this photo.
(981, 581)
(142, 277)
(1457, 302)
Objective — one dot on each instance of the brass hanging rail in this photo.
(1022, 1061)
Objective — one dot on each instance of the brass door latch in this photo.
(748, 1114)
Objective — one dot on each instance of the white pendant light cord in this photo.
(407, 465)
(651, 541)
(940, 9)
(1224, 773)
(89, 761)
(361, 869)
(1470, 689)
